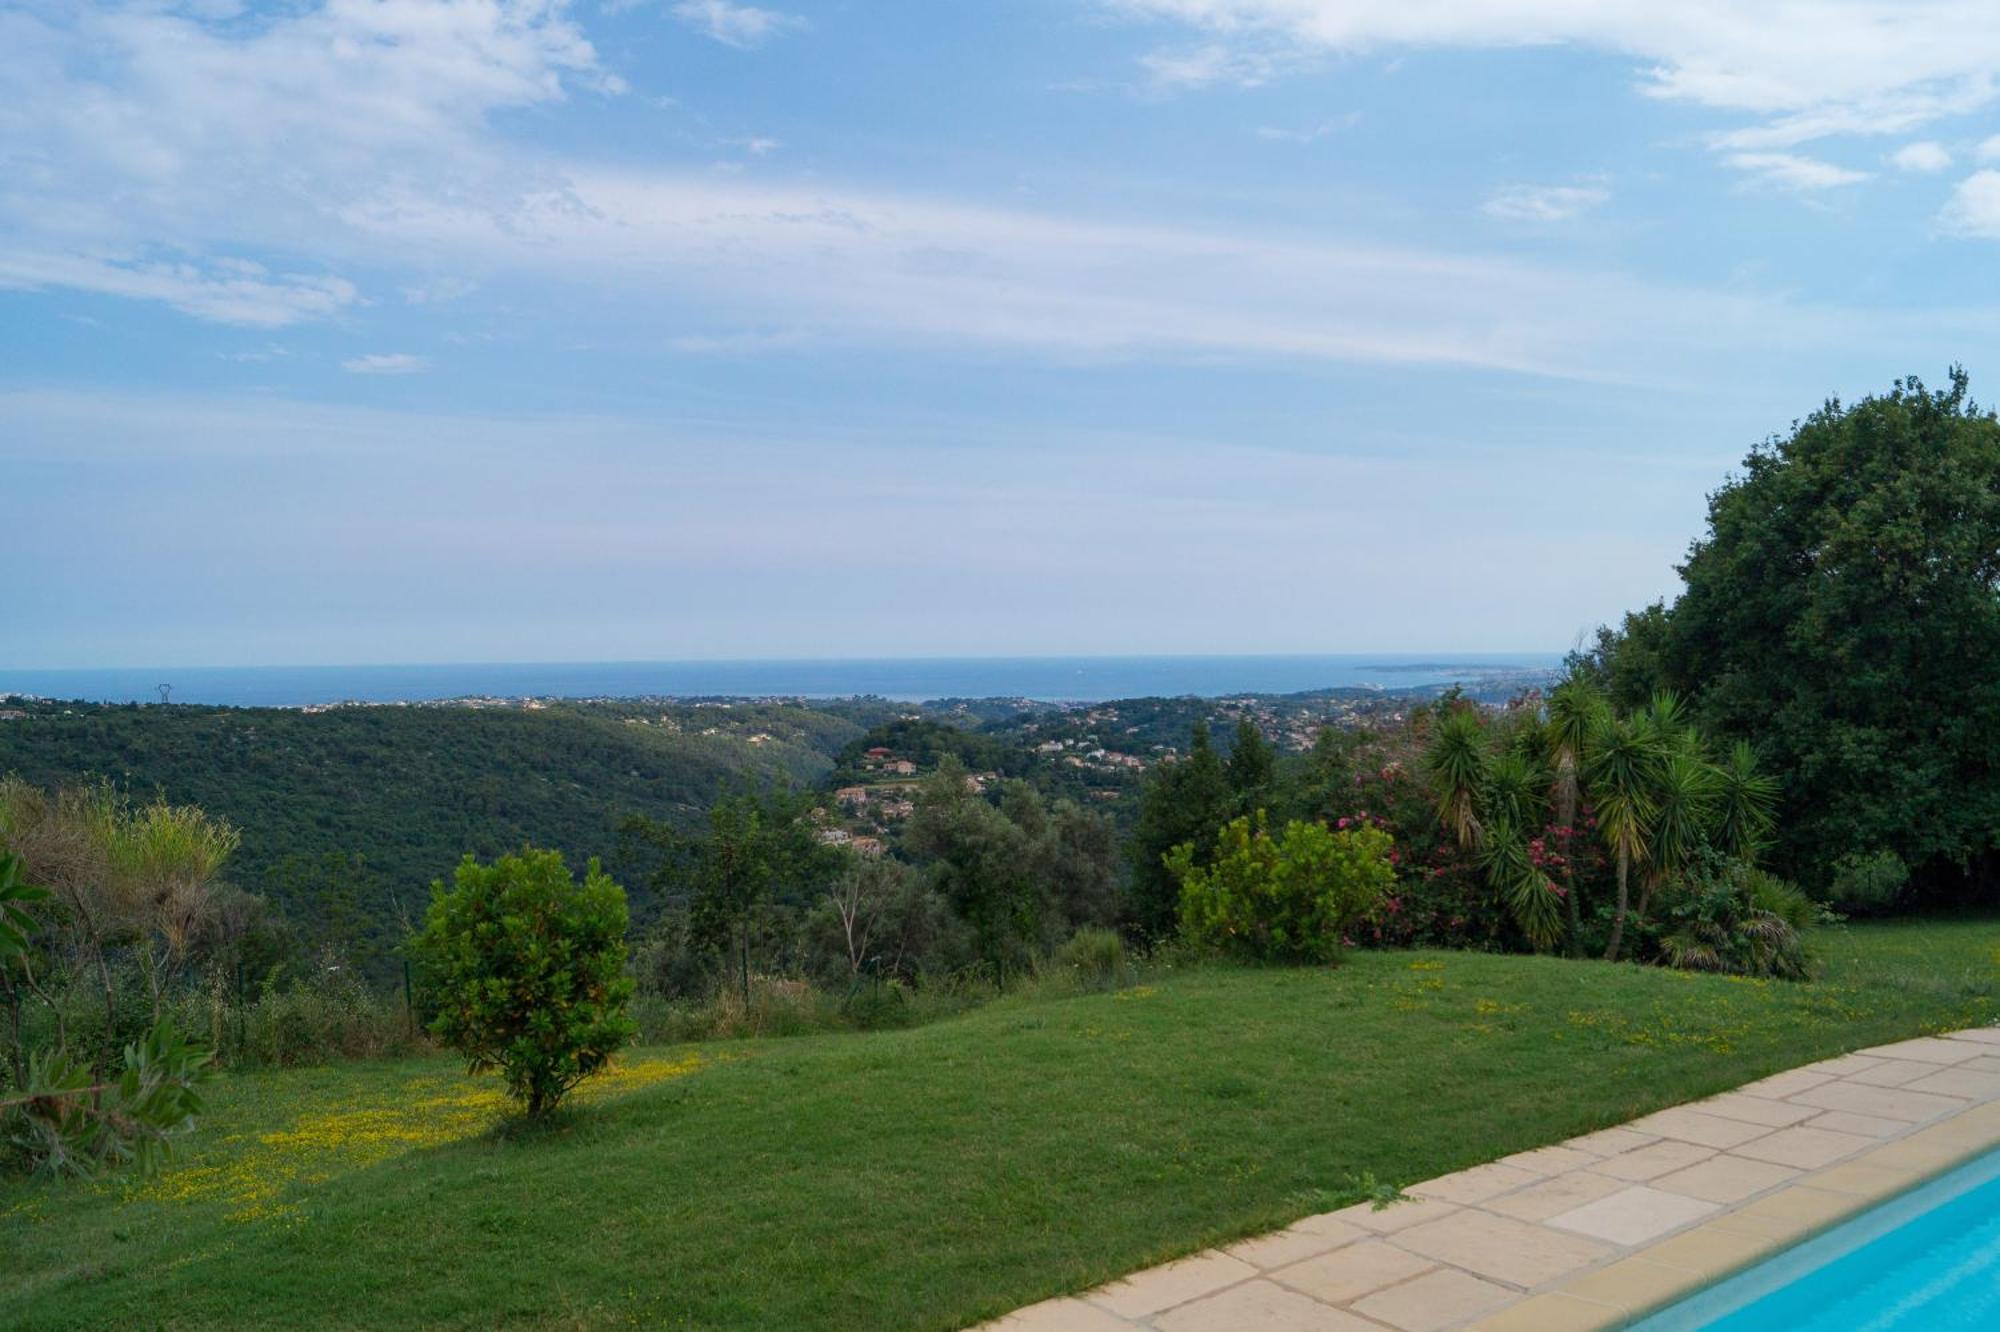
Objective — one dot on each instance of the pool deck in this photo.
(1595, 1232)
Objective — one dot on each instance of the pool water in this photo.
(1929, 1260)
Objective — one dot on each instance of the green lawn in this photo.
(926, 1178)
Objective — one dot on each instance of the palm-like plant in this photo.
(1619, 775)
(1513, 803)
(1746, 804)
(1521, 885)
(1514, 790)
(1667, 715)
(1576, 709)
(1455, 766)
(1686, 790)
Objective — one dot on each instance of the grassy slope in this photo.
(927, 1178)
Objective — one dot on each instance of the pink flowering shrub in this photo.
(1441, 898)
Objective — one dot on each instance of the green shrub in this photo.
(327, 1014)
(1740, 921)
(529, 970)
(67, 1120)
(1867, 883)
(1096, 957)
(1295, 897)
(878, 1004)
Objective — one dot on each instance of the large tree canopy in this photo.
(1841, 613)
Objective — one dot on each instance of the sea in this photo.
(904, 679)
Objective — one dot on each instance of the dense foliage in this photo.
(67, 1119)
(757, 849)
(1840, 613)
(1289, 898)
(63, 1115)
(1557, 823)
(348, 814)
(1184, 804)
(527, 971)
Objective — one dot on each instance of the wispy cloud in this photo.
(439, 291)
(1325, 129)
(1544, 203)
(848, 265)
(1803, 70)
(249, 138)
(221, 291)
(1201, 66)
(1789, 171)
(181, 137)
(386, 363)
(740, 26)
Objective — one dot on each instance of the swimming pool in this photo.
(1928, 1260)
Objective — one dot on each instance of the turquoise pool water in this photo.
(1929, 1260)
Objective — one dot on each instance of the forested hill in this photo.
(347, 814)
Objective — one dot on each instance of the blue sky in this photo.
(401, 330)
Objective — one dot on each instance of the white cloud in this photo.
(741, 26)
(132, 133)
(1974, 208)
(439, 291)
(220, 291)
(1989, 149)
(1923, 156)
(1805, 68)
(1789, 171)
(856, 266)
(1544, 203)
(737, 344)
(1202, 66)
(187, 139)
(386, 363)
(1311, 134)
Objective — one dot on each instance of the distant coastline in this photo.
(1043, 679)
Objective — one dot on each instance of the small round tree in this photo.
(529, 970)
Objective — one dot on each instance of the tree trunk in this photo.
(55, 1009)
(110, 994)
(154, 982)
(746, 966)
(1566, 817)
(1647, 885)
(14, 1026)
(1624, 898)
(1575, 949)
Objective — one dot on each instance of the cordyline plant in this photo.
(65, 1120)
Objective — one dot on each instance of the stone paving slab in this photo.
(1595, 1232)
